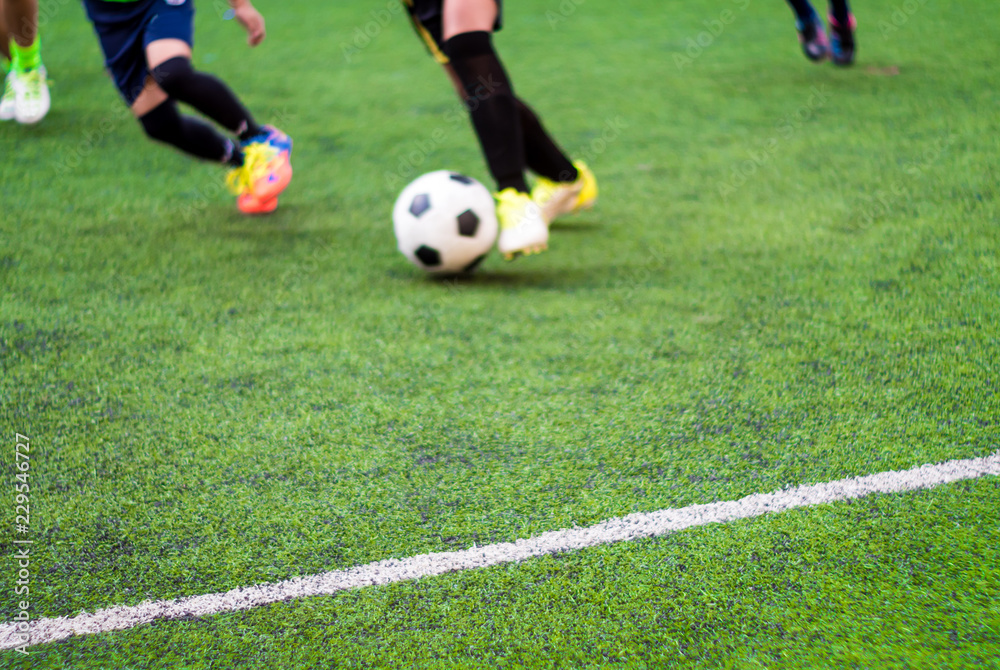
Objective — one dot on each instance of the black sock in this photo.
(542, 155)
(840, 12)
(205, 93)
(803, 10)
(492, 105)
(190, 135)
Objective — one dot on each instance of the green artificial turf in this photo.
(835, 586)
(791, 276)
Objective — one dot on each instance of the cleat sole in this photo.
(257, 208)
(527, 251)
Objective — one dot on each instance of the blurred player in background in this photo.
(25, 95)
(147, 49)
(840, 47)
(459, 35)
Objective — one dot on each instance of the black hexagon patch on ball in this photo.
(461, 178)
(468, 223)
(429, 257)
(421, 203)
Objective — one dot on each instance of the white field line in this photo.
(631, 527)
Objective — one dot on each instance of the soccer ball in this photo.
(445, 222)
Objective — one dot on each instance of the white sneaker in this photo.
(7, 98)
(522, 228)
(31, 99)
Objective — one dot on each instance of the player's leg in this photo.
(120, 29)
(541, 153)
(842, 26)
(169, 63)
(172, 79)
(4, 39)
(160, 119)
(30, 83)
(7, 91)
(812, 37)
(465, 48)
(467, 27)
(266, 168)
(467, 42)
(563, 187)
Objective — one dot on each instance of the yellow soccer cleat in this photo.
(522, 228)
(561, 198)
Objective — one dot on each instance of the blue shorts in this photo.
(125, 29)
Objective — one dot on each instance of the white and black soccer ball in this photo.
(445, 222)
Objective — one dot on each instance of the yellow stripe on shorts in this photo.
(426, 36)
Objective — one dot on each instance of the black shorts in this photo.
(426, 17)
